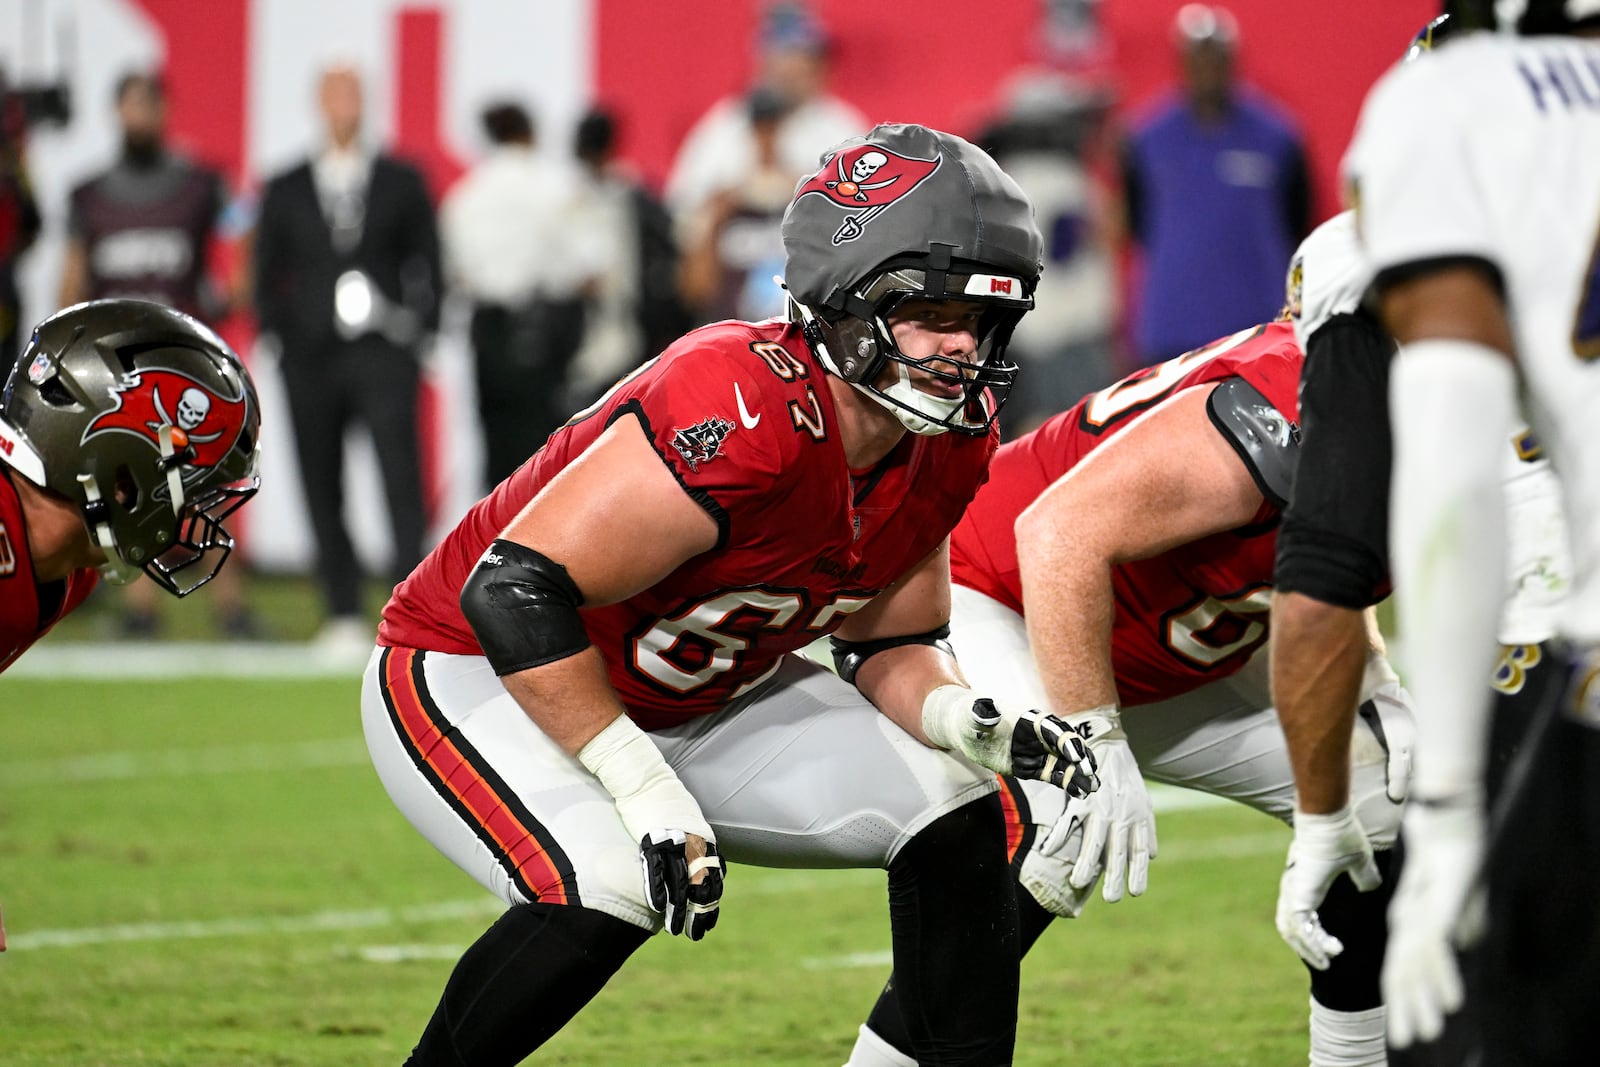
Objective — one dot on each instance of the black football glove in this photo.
(688, 907)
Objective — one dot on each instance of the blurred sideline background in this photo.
(241, 73)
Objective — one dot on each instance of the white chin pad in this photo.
(926, 410)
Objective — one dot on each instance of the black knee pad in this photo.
(1361, 921)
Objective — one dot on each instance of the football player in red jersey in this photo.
(128, 432)
(1120, 560)
(594, 671)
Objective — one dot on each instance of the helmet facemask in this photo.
(148, 422)
(855, 340)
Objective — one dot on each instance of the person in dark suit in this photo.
(346, 263)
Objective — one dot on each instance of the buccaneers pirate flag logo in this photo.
(868, 177)
(204, 422)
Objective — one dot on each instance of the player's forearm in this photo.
(571, 700)
(1319, 653)
(1066, 585)
(898, 680)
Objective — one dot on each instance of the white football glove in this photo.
(1028, 744)
(1388, 714)
(1324, 847)
(1119, 824)
(1437, 908)
(1046, 871)
(660, 814)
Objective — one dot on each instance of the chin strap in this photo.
(96, 512)
(901, 398)
(169, 463)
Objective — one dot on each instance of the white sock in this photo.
(873, 1051)
(1347, 1038)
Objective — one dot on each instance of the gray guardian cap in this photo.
(908, 212)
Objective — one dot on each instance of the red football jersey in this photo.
(1185, 617)
(27, 611)
(742, 416)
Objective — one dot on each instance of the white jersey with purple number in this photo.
(1329, 276)
(1490, 151)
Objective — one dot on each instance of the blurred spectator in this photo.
(144, 229)
(1216, 195)
(733, 243)
(633, 310)
(347, 280)
(19, 217)
(1045, 138)
(723, 147)
(511, 247)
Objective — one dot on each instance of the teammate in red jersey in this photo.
(127, 434)
(595, 667)
(1121, 558)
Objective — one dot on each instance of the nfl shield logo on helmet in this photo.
(868, 177)
(39, 369)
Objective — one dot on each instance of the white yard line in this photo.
(145, 660)
(256, 926)
(775, 883)
(185, 762)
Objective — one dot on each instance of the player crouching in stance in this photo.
(128, 432)
(1117, 569)
(595, 667)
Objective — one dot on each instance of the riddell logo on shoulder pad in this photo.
(6, 444)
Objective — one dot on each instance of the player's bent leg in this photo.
(521, 981)
(487, 788)
(1225, 739)
(806, 773)
(884, 1040)
(954, 922)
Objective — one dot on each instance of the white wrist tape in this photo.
(947, 715)
(1320, 828)
(649, 794)
(1099, 724)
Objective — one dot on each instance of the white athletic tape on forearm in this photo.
(648, 793)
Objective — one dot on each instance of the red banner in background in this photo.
(944, 62)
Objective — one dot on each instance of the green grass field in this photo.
(207, 873)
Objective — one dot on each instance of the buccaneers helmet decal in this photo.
(869, 177)
(204, 422)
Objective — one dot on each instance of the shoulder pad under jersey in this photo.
(1328, 276)
(1267, 441)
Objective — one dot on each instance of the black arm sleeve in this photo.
(1334, 543)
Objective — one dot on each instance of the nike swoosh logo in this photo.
(745, 417)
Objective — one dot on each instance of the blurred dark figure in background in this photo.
(1045, 137)
(733, 244)
(724, 145)
(1217, 197)
(143, 229)
(511, 248)
(347, 280)
(19, 216)
(633, 310)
